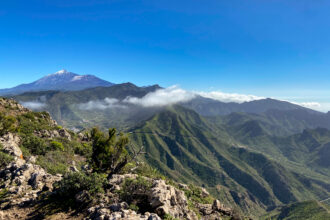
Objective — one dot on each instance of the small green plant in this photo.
(135, 191)
(134, 207)
(3, 194)
(83, 149)
(5, 159)
(194, 194)
(54, 145)
(74, 183)
(34, 144)
(55, 161)
(33, 121)
(7, 124)
(169, 217)
(146, 170)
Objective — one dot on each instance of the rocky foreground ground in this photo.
(24, 183)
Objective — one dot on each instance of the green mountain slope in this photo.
(185, 146)
(305, 153)
(210, 107)
(309, 210)
(277, 122)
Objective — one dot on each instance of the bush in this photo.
(194, 194)
(33, 121)
(83, 149)
(55, 162)
(7, 124)
(109, 151)
(54, 145)
(74, 183)
(146, 170)
(3, 194)
(135, 193)
(5, 159)
(34, 144)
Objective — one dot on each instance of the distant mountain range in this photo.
(278, 117)
(61, 80)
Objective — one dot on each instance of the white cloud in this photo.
(318, 106)
(76, 78)
(162, 97)
(174, 95)
(101, 104)
(310, 104)
(229, 97)
(33, 105)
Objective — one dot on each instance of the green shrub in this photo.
(135, 193)
(25, 151)
(83, 149)
(74, 183)
(146, 170)
(7, 124)
(34, 144)
(109, 151)
(55, 162)
(169, 217)
(5, 159)
(134, 207)
(54, 145)
(194, 194)
(3, 194)
(33, 121)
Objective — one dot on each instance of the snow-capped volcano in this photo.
(62, 80)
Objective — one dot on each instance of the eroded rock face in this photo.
(24, 181)
(53, 134)
(102, 213)
(10, 143)
(166, 199)
(12, 104)
(163, 199)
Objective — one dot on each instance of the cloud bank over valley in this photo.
(34, 105)
(174, 95)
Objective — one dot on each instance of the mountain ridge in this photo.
(186, 147)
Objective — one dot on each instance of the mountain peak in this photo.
(63, 71)
(61, 80)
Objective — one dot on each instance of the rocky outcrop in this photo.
(53, 134)
(166, 199)
(10, 104)
(163, 199)
(24, 181)
(118, 212)
(10, 143)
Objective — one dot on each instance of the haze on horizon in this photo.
(277, 49)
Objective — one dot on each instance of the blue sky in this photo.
(273, 48)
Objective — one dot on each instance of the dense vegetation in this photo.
(5, 158)
(312, 210)
(189, 148)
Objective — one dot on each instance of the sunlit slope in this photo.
(186, 147)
